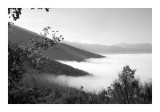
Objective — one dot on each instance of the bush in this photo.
(129, 90)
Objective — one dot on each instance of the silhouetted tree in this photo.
(127, 89)
(16, 12)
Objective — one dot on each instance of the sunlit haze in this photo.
(96, 26)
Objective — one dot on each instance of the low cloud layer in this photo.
(106, 70)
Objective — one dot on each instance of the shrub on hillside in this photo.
(129, 90)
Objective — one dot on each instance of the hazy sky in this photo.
(102, 26)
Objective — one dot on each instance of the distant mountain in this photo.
(122, 48)
(141, 46)
(64, 51)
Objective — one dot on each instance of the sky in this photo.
(106, 26)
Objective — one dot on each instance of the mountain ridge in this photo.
(64, 51)
(114, 49)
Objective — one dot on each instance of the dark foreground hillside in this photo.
(28, 84)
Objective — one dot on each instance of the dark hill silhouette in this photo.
(64, 51)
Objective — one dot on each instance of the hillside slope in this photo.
(64, 51)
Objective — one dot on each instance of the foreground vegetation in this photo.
(27, 83)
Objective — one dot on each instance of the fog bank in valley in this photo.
(105, 70)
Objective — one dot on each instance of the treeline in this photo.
(27, 85)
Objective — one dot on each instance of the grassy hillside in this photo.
(57, 68)
(49, 66)
(64, 51)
